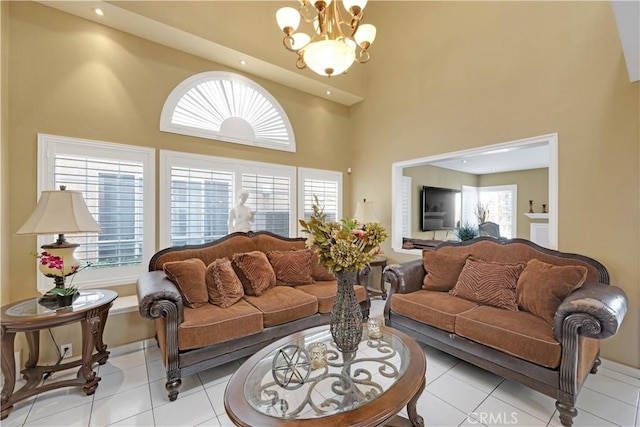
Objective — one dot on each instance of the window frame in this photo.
(319, 174)
(51, 145)
(179, 92)
(169, 159)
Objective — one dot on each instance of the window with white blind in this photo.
(197, 192)
(500, 201)
(117, 183)
(406, 206)
(228, 107)
(323, 184)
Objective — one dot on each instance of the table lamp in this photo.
(59, 212)
(365, 213)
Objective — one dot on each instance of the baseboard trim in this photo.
(622, 369)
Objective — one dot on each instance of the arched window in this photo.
(227, 107)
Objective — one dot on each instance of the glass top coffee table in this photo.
(293, 381)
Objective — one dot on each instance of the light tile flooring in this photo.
(131, 393)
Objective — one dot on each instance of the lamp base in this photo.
(67, 264)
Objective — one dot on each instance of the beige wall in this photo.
(4, 155)
(76, 78)
(518, 69)
(432, 176)
(533, 184)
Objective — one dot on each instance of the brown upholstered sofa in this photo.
(549, 341)
(208, 335)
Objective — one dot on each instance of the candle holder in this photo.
(374, 328)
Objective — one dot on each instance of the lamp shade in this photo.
(329, 57)
(365, 213)
(60, 212)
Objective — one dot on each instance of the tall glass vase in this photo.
(346, 316)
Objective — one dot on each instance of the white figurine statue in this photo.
(241, 216)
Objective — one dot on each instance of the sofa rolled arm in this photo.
(406, 277)
(596, 308)
(157, 296)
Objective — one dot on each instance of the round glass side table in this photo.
(30, 316)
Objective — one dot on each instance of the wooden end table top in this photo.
(368, 388)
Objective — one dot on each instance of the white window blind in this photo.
(197, 192)
(271, 196)
(113, 191)
(326, 186)
(200, 203)
(406, 206)
(501, 202)
(117, 185)
(227, 107)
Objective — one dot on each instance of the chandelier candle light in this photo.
(332, 48)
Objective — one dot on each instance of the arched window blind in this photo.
(227, 107)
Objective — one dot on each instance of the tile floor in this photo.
(131, 393)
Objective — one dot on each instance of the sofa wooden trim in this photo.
(595, 310)
(160, 299)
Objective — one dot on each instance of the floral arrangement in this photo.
(345, 245)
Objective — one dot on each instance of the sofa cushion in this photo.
(438, 309)
(442, 270)
(519, 334)
(325, 293)
(188, 276)
(211, 324)
(291, 267)
(254, 271)
(542, 286)
(489, 283)
(223, 285)
(283, 304)
(318, 271)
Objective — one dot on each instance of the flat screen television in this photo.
(438, 208)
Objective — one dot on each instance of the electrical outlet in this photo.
(68, 348)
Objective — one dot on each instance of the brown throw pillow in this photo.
(254, 271)
(442, 270)
(318, 271)
(543, 286)
(188, 275)
(223, 285)
(291, 267)
(489, 283)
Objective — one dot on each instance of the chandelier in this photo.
(332, 48)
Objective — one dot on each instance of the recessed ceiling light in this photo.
(98, 11)
(243, 62)
(328, 92)
(464, 162)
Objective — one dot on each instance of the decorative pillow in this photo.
(223, 285)
(291, 267)
(188, 275)
(489, 283)
(254, 271)
(543, 286)
(442, 270)
(318, 271)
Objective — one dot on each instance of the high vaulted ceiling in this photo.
(225, 32)
(228, 32)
